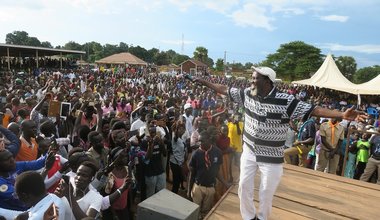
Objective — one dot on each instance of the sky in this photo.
(246, 31)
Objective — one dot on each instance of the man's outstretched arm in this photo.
(219, 88)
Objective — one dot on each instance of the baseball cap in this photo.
(187, 105)
(266, 71)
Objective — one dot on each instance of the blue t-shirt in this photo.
(8, 200)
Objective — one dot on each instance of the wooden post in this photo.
(60, 59)
(20, 58)
(346, 151)
(9, 59)
(37, 58)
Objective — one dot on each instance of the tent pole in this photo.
(359, 100)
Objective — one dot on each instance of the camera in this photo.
(188, 77)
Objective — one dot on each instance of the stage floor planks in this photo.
(308, 194)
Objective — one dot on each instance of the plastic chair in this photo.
(373, 112)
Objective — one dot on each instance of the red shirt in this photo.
(223, 142)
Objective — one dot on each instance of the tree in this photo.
(171, 54)
(72, 45)
(17, 37)
(94, 51)
(161, 58)
(33, 41)
(46, 44)
(347, 66)
(366, 74)
(201, 54)
(209, 62)
(139, 52)
(179, 58)
(109, 49)
(123, 47)
(237, 66)
(295, 60)
(152, 55)
(219, 65)
(248, 65)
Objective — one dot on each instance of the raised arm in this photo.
(219, 88)
(14, 146)
(350, 114)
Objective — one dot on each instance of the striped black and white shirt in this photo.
(267, 120)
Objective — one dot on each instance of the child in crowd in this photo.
(351, 159)
(363, 146)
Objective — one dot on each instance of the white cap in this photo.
(266, 71)
(187, 105)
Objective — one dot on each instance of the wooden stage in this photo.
(308, 194)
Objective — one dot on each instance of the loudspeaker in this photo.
(166, 205)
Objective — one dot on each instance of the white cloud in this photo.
(177, 42)
(338, 18)
(363, 48)
(252, 15)
(220, 6)
(290, 11)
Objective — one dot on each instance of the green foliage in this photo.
(366, 74)
(209, 62)
(46, 44)
(179, 58)
(347, 66)
(237, 66)
(17, 37)
(23, 38)
(72, 45)
(295, 60)
(201, 54)
(219, 65)
(161, 58)
(248, 65)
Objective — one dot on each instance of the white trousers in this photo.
(270, 178)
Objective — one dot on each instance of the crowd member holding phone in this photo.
(155, 178)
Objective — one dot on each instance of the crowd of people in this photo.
(323, 144)
(26, 63)
(129, 133)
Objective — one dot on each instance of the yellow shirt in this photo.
(235, 139)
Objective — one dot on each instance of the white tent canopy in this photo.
(371, 87)
(329, 76)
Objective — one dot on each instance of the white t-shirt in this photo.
(37, 212)
(137, 125)
(92, 199)
(189, 123)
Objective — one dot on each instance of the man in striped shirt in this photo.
(267, 115)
